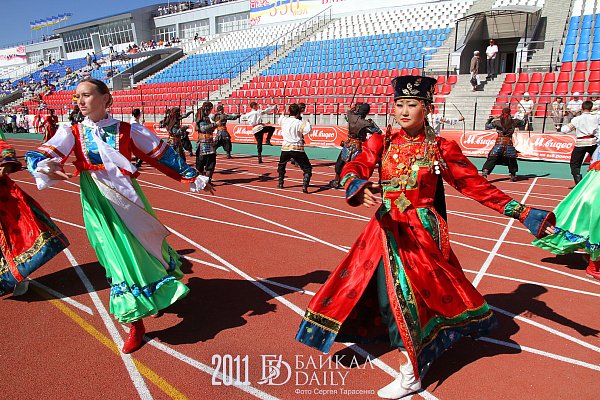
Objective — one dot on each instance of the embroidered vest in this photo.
(87, 159)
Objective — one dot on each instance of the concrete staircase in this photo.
(438, 64)
(557, 14)
(474, 106)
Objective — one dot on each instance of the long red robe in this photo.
(432, 302)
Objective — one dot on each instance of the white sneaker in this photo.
(405, 384)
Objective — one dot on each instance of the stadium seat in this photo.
(566, 67)
(510, 78)
(549, 77)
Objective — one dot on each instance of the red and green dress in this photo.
(129, 241)
(400, 281)
(577, 219)
(28, 237)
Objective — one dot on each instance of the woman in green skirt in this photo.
(130, 242)
(578, 221)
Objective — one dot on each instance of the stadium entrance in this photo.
(513, 28)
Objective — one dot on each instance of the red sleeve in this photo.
(462, 175)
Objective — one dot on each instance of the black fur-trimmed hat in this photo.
(414, 87)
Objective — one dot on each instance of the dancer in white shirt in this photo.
(293, 130)
(586, 131)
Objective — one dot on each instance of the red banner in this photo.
(531, 146)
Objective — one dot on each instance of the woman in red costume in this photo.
(400, 281)
(49, 126)
(28, 237)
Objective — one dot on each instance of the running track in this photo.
(254, 257)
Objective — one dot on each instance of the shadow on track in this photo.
(215, 305)
(523, 301)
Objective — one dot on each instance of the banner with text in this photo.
(276, 11)
(534, 146)
(12, 56)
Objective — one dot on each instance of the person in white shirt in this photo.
(254, 118)
(586, 131)
(574, 106)
(524, 112)
(492, 57)
(596, 101)
(293, 129)
(436, 121)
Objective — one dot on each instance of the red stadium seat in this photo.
(519, 89)
(593, 88)
(549, 77)
(564, 76)
(595, 65)
(441, 79)
(496, 110)
(594, 76)
(536, 77)
(562, 88)
(577, 87)
(533, 88)
(540, 110)
(581, 66)
(547, 88)
(566, 67)
(579, 76)
(452, 79)
(446, 88)
(510, 78)
(523, 78)
(506, 88)
(544, 100)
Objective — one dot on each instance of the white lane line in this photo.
(281, 285)
(547, 329)
(556, 271)
(53, 188)
(206, 263)
(496, 247)
(220, 222)
(249, 215)
(304, 201)
(509, 278)
(63, 297)
(270, 205)
(203, 367)
(541, 353)
(136, 377)
(386, 368)
(485, 219)
(62, 221)
(491, 239)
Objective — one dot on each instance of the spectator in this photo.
(88, 58)
(574, 107)
(492, 58)
(596, 102)
(524, 112)
(474, 69)
(558, 112)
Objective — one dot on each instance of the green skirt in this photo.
(140, 285)
(577, 220)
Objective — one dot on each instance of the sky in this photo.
(16, 15)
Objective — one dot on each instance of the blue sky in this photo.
(16, 14)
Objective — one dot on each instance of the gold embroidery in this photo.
(39, 243)
(323, 321)
(402, 202)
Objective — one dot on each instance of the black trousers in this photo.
(491, 162)
(301, 159)
(269, 130)
(206, 162)
(339, 165)
(225, 143)
(577, 157)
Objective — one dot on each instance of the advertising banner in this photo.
(276, 11)
(531, 146)
(12, 56)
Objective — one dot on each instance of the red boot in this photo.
(136, 337)
(593, 269)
